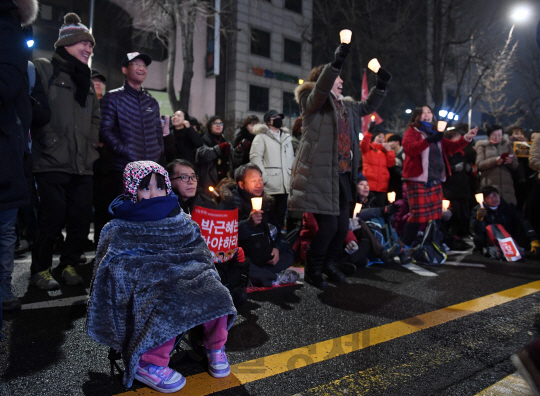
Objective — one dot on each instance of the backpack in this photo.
(384, 233)
(501, 246)
(430, 251)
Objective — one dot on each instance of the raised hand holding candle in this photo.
(445, 204)
(345, 36)
(374, 65)
(441, 126)
(256, 203)
(391, 196)
(357, 209)
(212, 190)
(480, 199)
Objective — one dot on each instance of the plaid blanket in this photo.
(425, 203)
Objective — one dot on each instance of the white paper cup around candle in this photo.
(391, 196)
(372, 118)
(345, 36)
(256, 203)
(441, 126)
(480, 199)
(357, 209)
(374, 65)
(445, 204)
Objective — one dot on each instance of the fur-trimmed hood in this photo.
(485, 142)
(308, 86)
(263, 128)
(27, 10)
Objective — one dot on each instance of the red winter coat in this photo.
(416, 151)
(376, 161)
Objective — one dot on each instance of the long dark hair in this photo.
(417, 113)
(252, 119)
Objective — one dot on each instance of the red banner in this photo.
(219, 228)
(367, 119)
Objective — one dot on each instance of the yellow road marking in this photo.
(267, 366)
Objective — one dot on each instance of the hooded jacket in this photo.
(534, 159)
(273, 157)
(376, 161)
(498, 176)
(131, 126)
(315, 171)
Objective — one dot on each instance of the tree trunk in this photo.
(186, 21)
(171, 63)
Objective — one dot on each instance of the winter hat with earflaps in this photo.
(136, 171)
(73, 32)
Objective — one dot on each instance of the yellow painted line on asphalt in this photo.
(513, 385)
(267, 366)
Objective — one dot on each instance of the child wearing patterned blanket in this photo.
(154, 279)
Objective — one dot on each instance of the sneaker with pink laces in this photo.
(218, 365)
(162, 379)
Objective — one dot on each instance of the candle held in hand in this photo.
(374, 65)
(391, 196)
(256, 203)
(345, 36)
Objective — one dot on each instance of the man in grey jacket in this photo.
(64, 152)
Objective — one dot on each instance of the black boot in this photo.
(313, 270)
(333, 273)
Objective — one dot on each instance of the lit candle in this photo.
(441, 126)
(357, 209)
(212, 190)
(372, 118)
(345, 36)
(445, 204)
(391, 196)
(374, 65)
(256, 203)
(480, 199)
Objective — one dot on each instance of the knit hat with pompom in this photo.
(73, 32)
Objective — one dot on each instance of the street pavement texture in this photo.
(446, 330)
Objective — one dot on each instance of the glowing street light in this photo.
(456, 117)
(450, 115)
(408, 111)
(30, 43)
(443, 113)
(521, 13)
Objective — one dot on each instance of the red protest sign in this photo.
(219, 228)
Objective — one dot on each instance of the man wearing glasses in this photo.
(130, 123)
(184, 183)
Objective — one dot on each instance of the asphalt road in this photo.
(388, 331)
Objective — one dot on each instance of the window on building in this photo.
(290, 107)
(260, 42)
(292, 52)
(258, 98)
(294, 5)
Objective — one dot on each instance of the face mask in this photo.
(277, 122)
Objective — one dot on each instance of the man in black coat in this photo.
(15, 118)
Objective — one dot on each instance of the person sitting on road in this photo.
(258, 230)
(154, 279)
(497, 211)
(184, 181)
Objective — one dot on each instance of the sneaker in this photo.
(407, 254)
(9, 301)
(218, 365)
(162, 379)
(71, 277)
(44, 280)
(288, 277)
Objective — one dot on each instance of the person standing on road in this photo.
(273, 153)
(64, 152)
(324, 172)
(131, 124)
(15, 111)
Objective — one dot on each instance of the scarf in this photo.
(427, 127)
(146, 210)
(79, 72)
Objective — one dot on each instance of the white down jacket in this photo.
(274, 157)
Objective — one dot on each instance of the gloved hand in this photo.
(351, 247)
(435, 137)
(243, 145)
(389, 210)
(225, 148)
(340, 55)
(372, 126)
(240, 256)
(480, 214)
(535, 246)
(459, 167)
(354, 224)
(383, 78)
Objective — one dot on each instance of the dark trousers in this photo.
(328, 241)
(263, 275)
(64, 199)
(280, 208)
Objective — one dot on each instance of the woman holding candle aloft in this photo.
(323, 180)
(425, 167)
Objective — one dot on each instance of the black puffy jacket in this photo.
(131, 126)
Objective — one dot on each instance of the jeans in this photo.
(8, 237)
(64, 199)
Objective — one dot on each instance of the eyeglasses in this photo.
(137, 66)
(217, 123)
(185, 178)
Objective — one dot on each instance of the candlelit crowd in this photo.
(331, 203)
